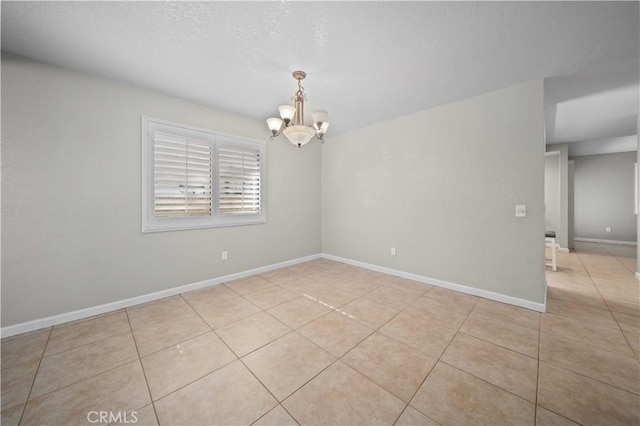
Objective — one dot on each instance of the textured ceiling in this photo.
(366, 61)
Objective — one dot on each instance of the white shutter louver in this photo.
(239, 184)
(182, 176)
(196, 178)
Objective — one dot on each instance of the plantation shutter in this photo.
(239, 184)
(182, 176)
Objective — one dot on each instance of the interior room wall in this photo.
(552, 192)
(441, 187)
(562, 236)
(71, 232)
(603, 197)
(570, 224)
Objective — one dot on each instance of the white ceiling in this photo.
(366, 61)
(595, 111)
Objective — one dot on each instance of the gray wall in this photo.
(440, 186)
(603, 196)
(572, 169)
(552, 193)
(562, 236)
(71, 196)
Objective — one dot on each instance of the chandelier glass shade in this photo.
(291, 121)
(299, 134)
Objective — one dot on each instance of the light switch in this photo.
(521, 211)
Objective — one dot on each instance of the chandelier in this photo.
(291, 122)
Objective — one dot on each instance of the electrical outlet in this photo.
(607, 229)
(393, 251)
(224, 255)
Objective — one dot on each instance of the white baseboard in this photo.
(563, 250)
(535, 306)
(38, 324)
(595, 240)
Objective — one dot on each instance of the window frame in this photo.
(150, 223)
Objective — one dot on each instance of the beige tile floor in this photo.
(331, 344)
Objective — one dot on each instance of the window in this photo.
(238, 179)
(181, 176)
(195, 178)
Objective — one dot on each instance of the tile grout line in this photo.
(535, 411)
(279, 403)
(259, 307)
(576, 303)
(270, 411)
(557, 414)
(193, 381)
(90, 376)
(491, 343)
(176, 343)
(593, 379)
(337, 358)
(624, 334)
(144, 373)
(618, 260)
(572, 339)
(87, 344)
(485, 380)
(491, 384)
(26, 402)
(340, 358)
(87, 320)
(589, 344)
(78, 381)
(605, 301)
(238, 358)
(498, 344)
(223, 304)
(540, 336)
(374, 330)
(82, 380)
(313, 377)
(436, 363)
(242, 362)
(269, 390)
(219, 337)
